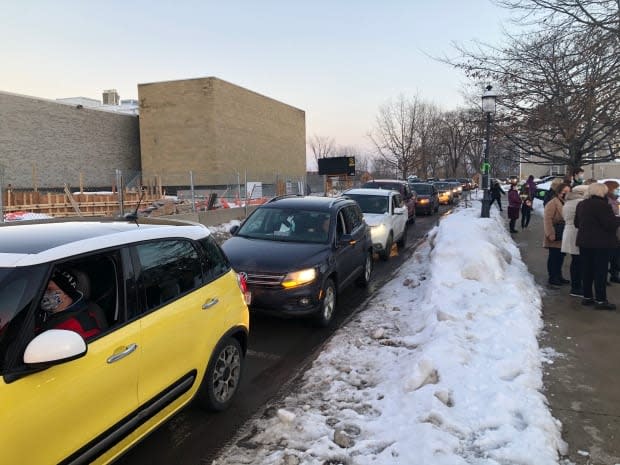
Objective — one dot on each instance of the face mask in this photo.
(51, 300)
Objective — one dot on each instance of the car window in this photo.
(168, 269)
(371, 203)
(352, 219)
(19, 288)
(395, 202)
(214, 261)
(287, 225)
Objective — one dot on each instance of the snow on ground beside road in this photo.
(443, 367)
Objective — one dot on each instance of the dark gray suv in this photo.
(298, 253)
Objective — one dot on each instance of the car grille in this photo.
(264, 279)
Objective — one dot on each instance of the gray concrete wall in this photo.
(215, 217)
(48, 144)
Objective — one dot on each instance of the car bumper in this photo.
(300, 301)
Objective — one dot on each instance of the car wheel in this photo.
(364, 278)
(221, 380)
(402, 242)
(385, 253)
(328, 306)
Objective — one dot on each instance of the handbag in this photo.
(559, 230)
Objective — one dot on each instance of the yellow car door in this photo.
(184, 319)
(54, 414)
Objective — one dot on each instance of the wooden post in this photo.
(81, 182)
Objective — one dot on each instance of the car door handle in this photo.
(116, 357)
(210, 303)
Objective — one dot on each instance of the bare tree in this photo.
(602, 15)
(560, 95)
(322, 147)
(395, 136)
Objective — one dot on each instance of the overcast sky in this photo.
(337, 60)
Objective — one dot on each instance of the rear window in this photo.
(422, 188)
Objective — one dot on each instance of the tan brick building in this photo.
(210, 126)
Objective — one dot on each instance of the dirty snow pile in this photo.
(443, 367)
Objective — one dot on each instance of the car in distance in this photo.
(299, 253)
(400, 186)
(173, 327)
(385, 214)
(427, 198)
(444, 189)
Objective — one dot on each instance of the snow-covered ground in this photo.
(442, 367)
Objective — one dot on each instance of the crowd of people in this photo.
(581, 219)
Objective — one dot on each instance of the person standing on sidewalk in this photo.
(496, 195)
(514, 204)
(614, 258)
(596, 236)
(569, 238)
(553, 216)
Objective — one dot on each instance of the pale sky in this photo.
(337, 60)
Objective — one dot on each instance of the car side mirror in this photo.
(399, 211)
(346, 239)
(234, 229)
(54, 346)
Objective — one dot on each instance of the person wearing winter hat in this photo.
(569, 237)
(64, 307)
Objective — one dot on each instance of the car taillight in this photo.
(243, 285)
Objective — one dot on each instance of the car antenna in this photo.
(134, 216)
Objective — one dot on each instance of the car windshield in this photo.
(287, 225)
(442, 185)
(18, 286)
(372, 203)
(423, 189)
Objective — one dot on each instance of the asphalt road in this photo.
(279, 350)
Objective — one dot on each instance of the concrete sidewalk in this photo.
(582, 384)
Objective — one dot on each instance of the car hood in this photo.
(423, 196)
(375, 219)
(278, 257)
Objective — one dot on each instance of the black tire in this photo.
(402, 242)
(385, 253)
(223, 375)
(328, 305)
(364, 278)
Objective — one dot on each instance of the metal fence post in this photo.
(191, 186)
(1, 194)
(119, 192)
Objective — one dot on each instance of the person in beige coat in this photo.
(569, 237)
(553, 216)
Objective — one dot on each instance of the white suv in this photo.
(386, 215)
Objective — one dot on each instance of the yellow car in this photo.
(107, 329)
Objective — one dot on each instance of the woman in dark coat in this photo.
(514, 203)
(596, 237)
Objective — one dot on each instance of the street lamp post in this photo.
(488, 107)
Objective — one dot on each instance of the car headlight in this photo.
(377, 228)
(423, 201)
(299, 278)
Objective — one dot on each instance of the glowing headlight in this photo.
(299, 278)
(422, 201)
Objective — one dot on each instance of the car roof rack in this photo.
(285, 196)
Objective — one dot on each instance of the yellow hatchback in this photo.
(108, 328)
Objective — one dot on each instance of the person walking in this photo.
(569, 238)
(528, 191)
(514, 204)
(496, 195)
(552, 217)
(596, 236)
